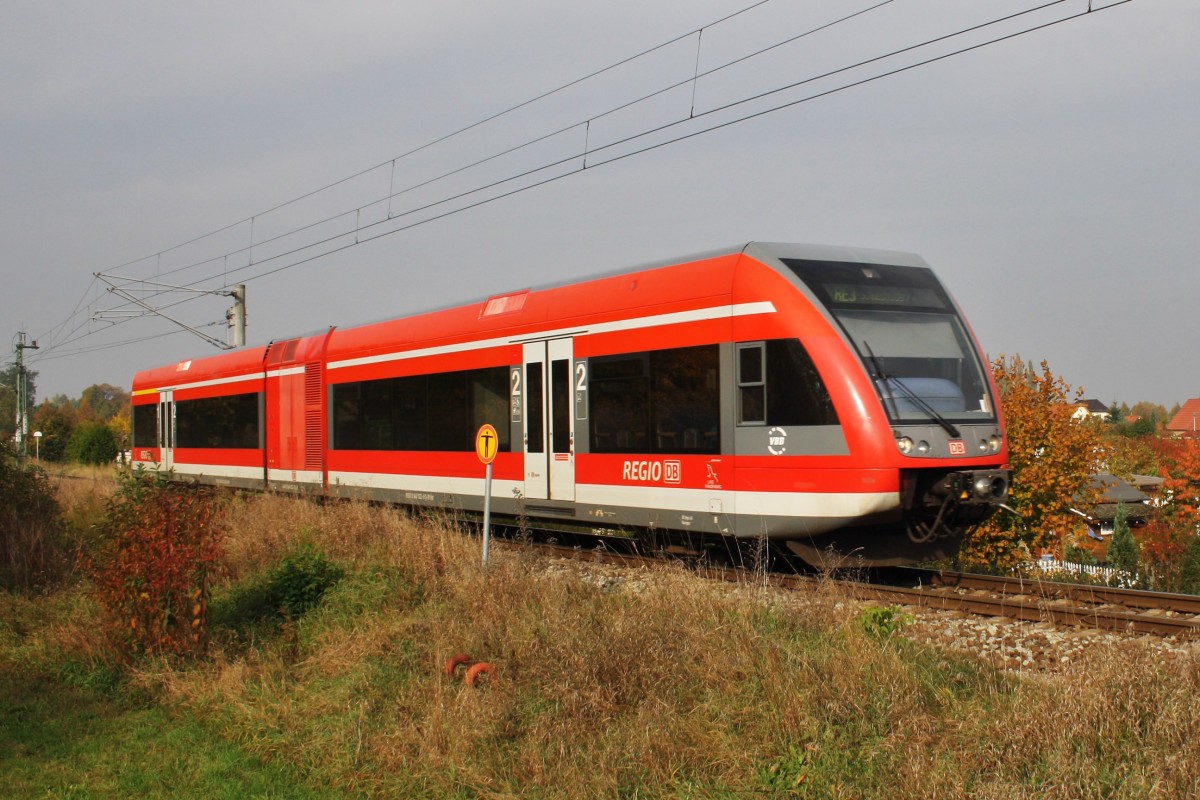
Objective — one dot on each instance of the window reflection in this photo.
(663, 401)
(227, 422)
(421, 412)
(778, 384)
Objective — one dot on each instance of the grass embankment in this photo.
(645, 685)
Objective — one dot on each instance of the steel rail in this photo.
(1129, 598)
(1076, 605)
(1036, 609)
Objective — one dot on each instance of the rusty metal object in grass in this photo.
(455, 661)
(478, 670)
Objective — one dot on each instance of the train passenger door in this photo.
(549, 440)
(166, 429)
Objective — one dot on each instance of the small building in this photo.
(1187, 422)
(1093, 409)
(1114, 492)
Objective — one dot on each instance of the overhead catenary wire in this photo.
(248, 249)
(61, 353)
(231, 226)
(453, 134)
(624, 141)
(529, 143)
(330, 244)
(586, 124)
(360, 240)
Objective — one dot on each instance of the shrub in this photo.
(92, 443)
(301, 579)
(33, 551)
(160, 555)
(289, 590)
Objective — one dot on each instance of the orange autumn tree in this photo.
(1179, 467)
(1169, 543)
(1053, 457)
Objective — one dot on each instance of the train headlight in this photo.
(990, 487)
(994, 444)
(905, 444)
(983, 445)
(922, 447)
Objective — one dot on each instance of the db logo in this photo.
(957, 448)
(652, 471)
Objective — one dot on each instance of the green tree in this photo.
(102, 402)
(1189, 569)
(57, 424)
(1122, 547)
(92, 443)
(8, 413)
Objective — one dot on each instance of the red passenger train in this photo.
(827, 398)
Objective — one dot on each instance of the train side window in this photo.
(489, 392)
(620, 403)
(447, 411)
(560, 405)
(752, 383)
(660, 401)
(145, 426)
(229, 421)
(686, 400)
(779, 385)
(438, 412)
(535, 420)
(796, 395)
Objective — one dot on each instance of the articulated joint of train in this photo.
(943, 505)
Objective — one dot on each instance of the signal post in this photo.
(487, 444)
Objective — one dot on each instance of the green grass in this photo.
(631, 686)
(59, 739)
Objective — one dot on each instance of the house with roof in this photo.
(1187, 422)
(1093, 409)
(1113, 492)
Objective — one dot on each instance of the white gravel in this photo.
(1026, 646)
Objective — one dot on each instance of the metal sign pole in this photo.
(487, 444)
(487, 511)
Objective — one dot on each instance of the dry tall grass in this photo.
(648, 685)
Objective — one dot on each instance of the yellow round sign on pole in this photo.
(487, 444)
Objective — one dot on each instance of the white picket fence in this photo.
(1106, 574)
(1096, 571)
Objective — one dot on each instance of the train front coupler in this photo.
(944, 506)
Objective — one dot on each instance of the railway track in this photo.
(1079, 605)
(1062, 604)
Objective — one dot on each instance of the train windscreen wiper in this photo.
(909, 394)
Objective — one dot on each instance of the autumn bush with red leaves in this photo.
(154, 572)
(1053, 457)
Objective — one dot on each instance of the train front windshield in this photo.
(909, 336)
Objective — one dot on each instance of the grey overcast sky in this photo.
(1052, 179)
